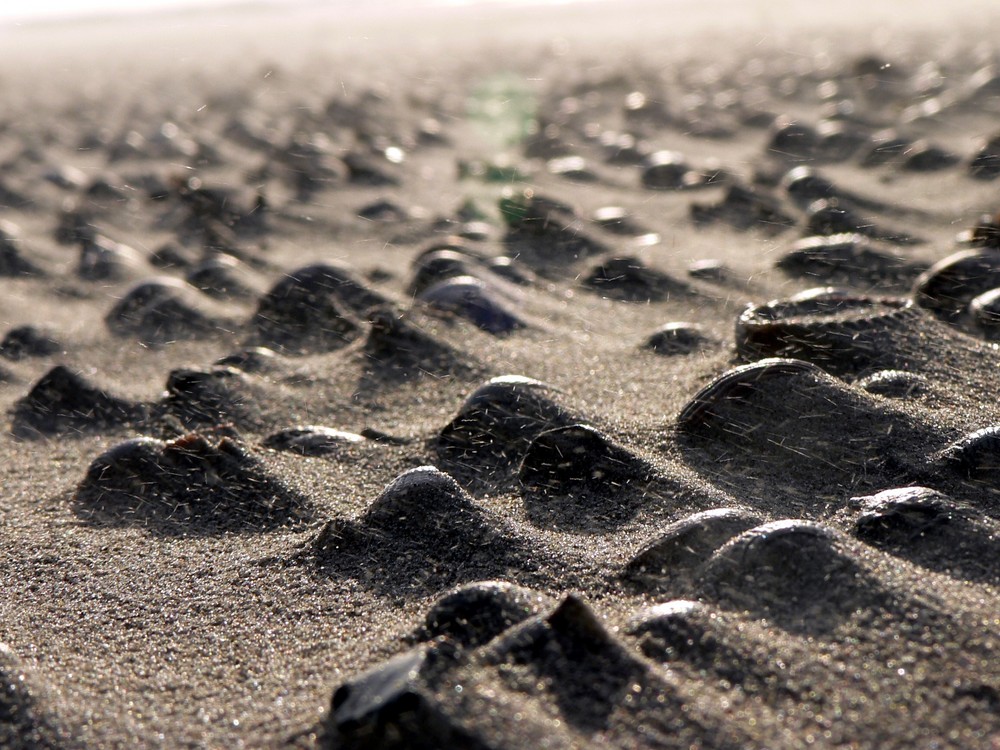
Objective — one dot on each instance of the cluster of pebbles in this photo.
(835, 436)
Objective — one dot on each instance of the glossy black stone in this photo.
(473, 299)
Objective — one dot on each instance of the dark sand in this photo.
(211, 586)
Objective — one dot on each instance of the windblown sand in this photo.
(212, 586)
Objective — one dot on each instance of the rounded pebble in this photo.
(676, 338)
(476, 613)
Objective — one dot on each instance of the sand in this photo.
(217, 581)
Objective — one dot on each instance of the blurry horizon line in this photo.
(58, 12)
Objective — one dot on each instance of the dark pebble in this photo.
(12, 259)
(793, 572)
(102, 259)
(312, 308)
(565, 459)
(223, 277)
(164, 309)
(476, 613)
(709, 269)
(253, 359)
(207, 398)
(922, 156)
(902, 515)
(738, 383)
(985, 311)
(502, 417)
(629, 279)
(668, 170)
(470, 298)
(311, 440)
(63, 402)
(886, 146)
(838, 330)
(687, 543)
(791, 140)
(744, 208)
(194, 484)
(985, 164)
(28, 341)
(849, 256)
(947, 287)
(894, 384)
(977, 455)
(676, 338)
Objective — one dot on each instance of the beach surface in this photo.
(501, 376)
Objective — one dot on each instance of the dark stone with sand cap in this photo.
(617, 220)
(311, 308)
(924, 156)
(668, 170)
(947, 287)
(393, 706)
(886, 146)
(165, 309)
(430, 268)
(423, 530)
(502, 417)
(977, 455)
(102, 259)
(841, 331)
(736, 384)
(985, 312)
(894, 384)
(985, 164)
(205, 398)
(543, 230)
(688, 542)
(476, 301)
(252, 359)
(797, 572)
(62, 401)
(223, 277)
(578, 456)
(476, 613)
(23, 342)
(850, 256)
(12, 259)
(630, 279)
(902, 515)
(312, 440)
(792, 140)
(198, 483)
(837, 216)
(676, 338)
(744, 207)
